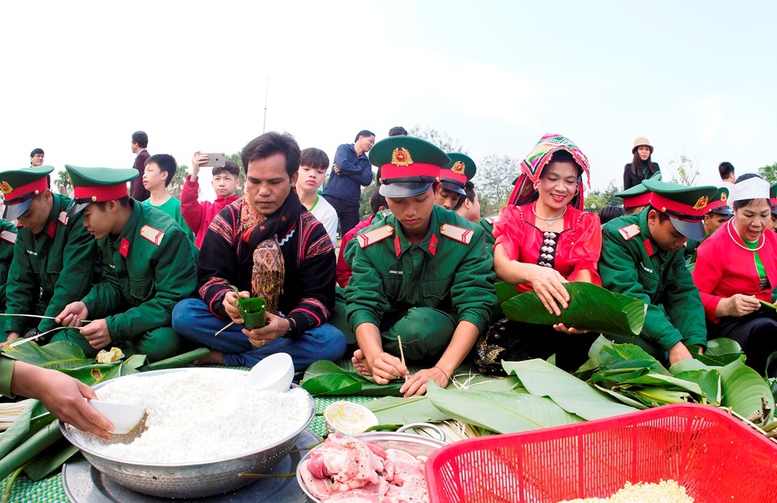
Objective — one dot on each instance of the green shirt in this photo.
(146, 270)
(60, 261)
(440, 272)
(639, 268)
(759, 266)
(172, 207)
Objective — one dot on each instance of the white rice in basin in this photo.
(199, 415)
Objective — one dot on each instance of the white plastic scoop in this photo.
(124, 416)
(274, 373)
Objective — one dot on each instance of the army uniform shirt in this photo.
(7, 240)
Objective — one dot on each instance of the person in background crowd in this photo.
(543, 240)
(397, 131)
(727, 177)
(159, 172)
(351, 170)
(642, 257)
(719, 213)
(139, 144)
(610, 213)
(642, 166)
(377, 205)
(637, 197)
(199, 214)
(62, 395)
(266, 244)
(453, 178)
(148, 265)
(773, 202)
(312, 172)
(735, 268)
(420, 271)
(36, 157)
(54, 255)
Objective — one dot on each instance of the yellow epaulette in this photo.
(153, 235)
(374, 236)
(630, 231)
(460, 234)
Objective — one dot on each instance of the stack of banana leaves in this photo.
(617, 379)
(33, 443)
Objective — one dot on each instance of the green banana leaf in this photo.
(48, 461)
(19, 429)
(325, 378)
(176, 361)
(709, 381)
(591, 307)
(622, 398)
(767, 304)
(502, 412)
(504, 292)
(541, 378)
(54, 355)
(655, 396)
(743, 388)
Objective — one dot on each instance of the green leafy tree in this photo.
(686, 170)
(176, 186)
(494, 182)
(63, 183)
(597, 199)
(769, 173)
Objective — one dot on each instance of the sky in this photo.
(697, 78)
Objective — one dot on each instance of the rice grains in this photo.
(666, 491)
(200, 415)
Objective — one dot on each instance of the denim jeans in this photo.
(193, 320)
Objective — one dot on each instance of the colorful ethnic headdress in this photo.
(535, 162)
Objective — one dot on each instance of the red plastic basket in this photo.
(713, 455)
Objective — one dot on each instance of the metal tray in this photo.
(84, 484)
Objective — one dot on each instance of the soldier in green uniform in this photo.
(54, 256)
(642, 256)
(718, 213)
(7, 240)
(148, 265)
(62, 395)
(420, 272)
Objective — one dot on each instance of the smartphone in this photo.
(216, 160)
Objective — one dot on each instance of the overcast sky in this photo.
(695, 77)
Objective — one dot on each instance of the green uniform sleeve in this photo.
(472, 293)
(105, 297)
(22, 289)
(365, 298)
(618, 269)
(683, 304)
(75, 277)
(175, 278)
(6, 374)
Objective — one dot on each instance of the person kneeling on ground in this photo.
(421, 273)
(265, 244)
(147, 266)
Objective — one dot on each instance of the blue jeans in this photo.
(193, 320)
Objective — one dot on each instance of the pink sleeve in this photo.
(585, 252)
(191, 209)
(707, 274)
(508, 231)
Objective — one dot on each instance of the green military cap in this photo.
(408, 166)
(455, 174)
(19, 186)
(719, 203)
(94, 185)
(773, 198)
(685, 206)
(637, 195)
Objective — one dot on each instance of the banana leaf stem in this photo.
(11, 482)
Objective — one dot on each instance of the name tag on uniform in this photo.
(30, 252)
(646, 269)
(395, 272)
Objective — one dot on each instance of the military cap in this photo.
(719, 203)
(685, 206)
(637, 195)
(19, 186)
(773, 197)
(455, 174)
(408, 165)
(94, 185)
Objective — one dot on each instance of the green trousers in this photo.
(156, 344)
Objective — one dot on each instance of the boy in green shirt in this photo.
(159, 172)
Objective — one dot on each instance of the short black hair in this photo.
(166, 163)
(364, 133)
(36, 151)
(397, 131)
(745, 202)
(140, 138)
(229, 167)
(609, 213)
(662, 217)
(124, 201)
(725, 169)
(270, 144)
(377, 200)
(469, 189)
(314, 158)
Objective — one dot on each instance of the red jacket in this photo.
(198, 215)
(723, 268)
(344, 271)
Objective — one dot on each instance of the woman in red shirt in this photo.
(544, 239)
(735, 267)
